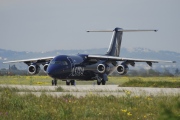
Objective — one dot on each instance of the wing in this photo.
(35, 60)
(130, 61)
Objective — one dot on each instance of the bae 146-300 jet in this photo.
(85, 66)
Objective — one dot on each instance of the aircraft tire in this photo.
(53, 83)
(72, 82)
(103, 82)
(67, 82)
(98, 83)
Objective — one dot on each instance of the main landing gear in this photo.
(70, 82)
(101, 79)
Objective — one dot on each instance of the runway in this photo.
(83, 90)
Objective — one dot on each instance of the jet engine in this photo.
(34, 69)
(101, 68)
(45, 67)
(122, 69)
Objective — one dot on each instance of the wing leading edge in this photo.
(130, 60)
(37, 60)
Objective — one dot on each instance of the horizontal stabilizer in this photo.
(99, 30)
(124, 30)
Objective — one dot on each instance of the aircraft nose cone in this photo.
(50, 71)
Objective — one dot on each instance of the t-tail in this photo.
(115, 44)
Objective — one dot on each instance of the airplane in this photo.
(86, 66)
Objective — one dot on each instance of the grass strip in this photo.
(14, 89)
(68, 107)
(141, 83)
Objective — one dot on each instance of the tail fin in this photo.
(115, 44)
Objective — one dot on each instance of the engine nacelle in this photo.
(45, 67)
(102, 68)
(122, 69)
(34, 69)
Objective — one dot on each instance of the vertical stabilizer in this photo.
(115, 44)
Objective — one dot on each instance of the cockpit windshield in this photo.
(59, 62)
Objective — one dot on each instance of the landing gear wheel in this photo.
(98, 83)
(103, 82)
(67, 82)
(72, 82)
(54, 82)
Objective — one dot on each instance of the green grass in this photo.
(91, 107)
(142, 83)
(25, 80)
(14, 89)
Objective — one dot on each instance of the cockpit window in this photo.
(64, 63)
(59, 62)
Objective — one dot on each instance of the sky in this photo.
(46, 25)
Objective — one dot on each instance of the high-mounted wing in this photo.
(131, 61)
(34, 60)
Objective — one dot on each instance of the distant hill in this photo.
(6, 55)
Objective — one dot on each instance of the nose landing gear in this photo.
(54, 82)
